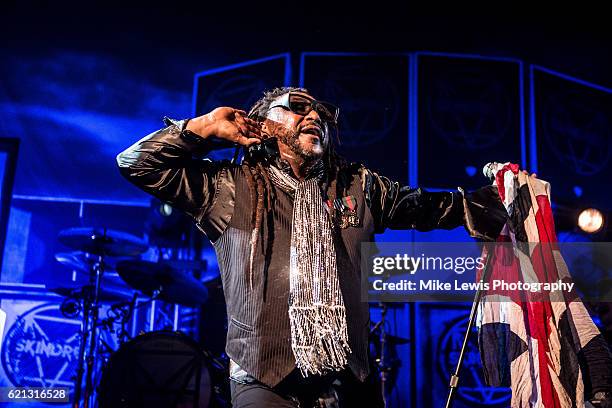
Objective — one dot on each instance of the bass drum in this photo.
(157, 369)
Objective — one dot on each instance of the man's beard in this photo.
(293, 141)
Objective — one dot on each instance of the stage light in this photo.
(165, 210)
(578, 191)
(590, 220)
(165, 226)
(470, 170)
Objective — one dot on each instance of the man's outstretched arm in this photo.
(166, 164)
(401, 207)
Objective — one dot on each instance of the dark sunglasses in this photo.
(303, 105)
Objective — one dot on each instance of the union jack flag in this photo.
(546, 348)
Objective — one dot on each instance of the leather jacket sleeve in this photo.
(402, 207)
(165, 164)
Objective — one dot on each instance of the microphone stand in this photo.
(454, 380)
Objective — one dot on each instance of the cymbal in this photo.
(209, 276)
(101, 241)
(83, 263)
(86, 292)
(80, 261)
(172, 285)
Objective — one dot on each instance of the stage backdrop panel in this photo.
(439, 331)
(572, 132)
(8, 162)
(239, 86)
(469, 113)
(372, 93)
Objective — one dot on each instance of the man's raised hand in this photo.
(228, 124)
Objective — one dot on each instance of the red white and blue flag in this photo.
(546, 348)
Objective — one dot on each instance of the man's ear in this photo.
(270, 128)
(265, 129)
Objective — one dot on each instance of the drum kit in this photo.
(146, 369)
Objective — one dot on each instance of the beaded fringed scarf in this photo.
(317, 315)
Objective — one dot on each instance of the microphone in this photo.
(489, 170)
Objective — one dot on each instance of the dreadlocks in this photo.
(261, 189)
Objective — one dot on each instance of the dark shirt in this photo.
(168, 165)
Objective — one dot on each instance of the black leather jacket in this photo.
(166, 164)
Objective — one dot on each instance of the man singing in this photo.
(287, 224)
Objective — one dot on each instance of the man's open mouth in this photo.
(313, 130)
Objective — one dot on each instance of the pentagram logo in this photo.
(472, 388)
(41, 348)
(469, 111)
(364, 119)
(577, 132)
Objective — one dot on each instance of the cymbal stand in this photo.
(381, 361)
(78, 384)
(93, 338)
(123, 335)
(89, 333)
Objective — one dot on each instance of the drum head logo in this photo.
(472, 388)
(41, 348)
